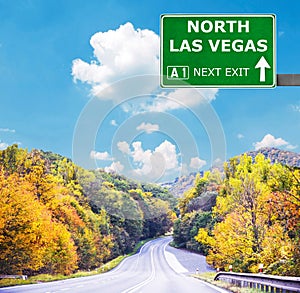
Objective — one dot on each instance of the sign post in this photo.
(218, 50)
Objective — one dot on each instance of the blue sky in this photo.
(71, 81)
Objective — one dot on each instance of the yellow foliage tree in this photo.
(258, 218)
(28, 233)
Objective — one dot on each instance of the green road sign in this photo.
(218, 50)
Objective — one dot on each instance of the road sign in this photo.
(216, 50)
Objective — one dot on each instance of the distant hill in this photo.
(180, 184)
(184, 183)
(278, 156)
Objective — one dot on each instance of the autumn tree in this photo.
(56, 217)
(28, 233)
(255, 212)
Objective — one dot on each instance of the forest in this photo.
(247, 215)
(56, 217)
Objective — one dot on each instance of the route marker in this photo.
(216, 50)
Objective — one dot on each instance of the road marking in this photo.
(132, 256)
(145, 282)
(213, 287)
(173, 262)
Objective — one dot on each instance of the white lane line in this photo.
(214, 287)
(145, 282)
(173, 262)
(129, 257)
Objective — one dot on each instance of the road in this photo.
(156, 268)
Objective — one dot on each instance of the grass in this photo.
(209, 278)
(49, 278)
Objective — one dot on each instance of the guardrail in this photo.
(265, 283)
(23, 277)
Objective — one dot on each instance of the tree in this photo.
(29, 236)
(186, 228)
(257, 216)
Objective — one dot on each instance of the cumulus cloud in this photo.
(148, 127)
(270, 141)
(168, 151)
(142, 158)
(127, 52)
(115, 167)
(197, 163)
(123, 146)
(119, 53)
(157, 162)
(101, 156)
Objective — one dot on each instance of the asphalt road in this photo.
(155, 269)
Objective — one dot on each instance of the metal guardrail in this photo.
(266, 283)
(23, 277)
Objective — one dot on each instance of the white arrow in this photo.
(262, 64)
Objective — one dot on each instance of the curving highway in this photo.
(156, 268)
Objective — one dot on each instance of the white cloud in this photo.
(113, 123)
(123, 146)
(115, 167)
(163, 159)
(187, 96)
(270, 141)
(3, 145)
(180, 98)
(119, 53)
(141, 158)
(218, 163)
(291, 147)
(148, 127)
(127, 52)
(296, 108)
(7, 130)
(197, 163)
(168, 151)
(104, 156)
(240, 136)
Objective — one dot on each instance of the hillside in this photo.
(184, 183)
(180, 184)
(247, 215)
(278, 156)
(56, 217)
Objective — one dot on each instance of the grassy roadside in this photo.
(49, 278)
(209, 278)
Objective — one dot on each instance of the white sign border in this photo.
(185, 84)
